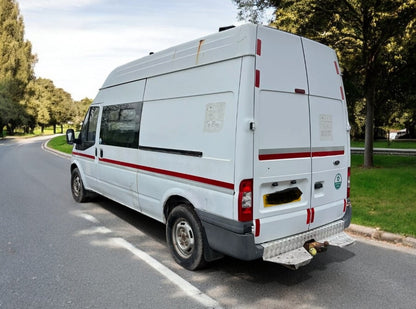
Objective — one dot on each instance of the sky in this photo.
(79, 42)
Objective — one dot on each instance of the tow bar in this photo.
(314, 247)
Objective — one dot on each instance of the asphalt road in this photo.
(56, 253)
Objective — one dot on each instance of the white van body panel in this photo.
(192, 123)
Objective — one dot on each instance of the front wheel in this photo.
(184, 234)
(77, 187)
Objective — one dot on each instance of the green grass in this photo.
(385, 196)
(395, 144)
(59, 143)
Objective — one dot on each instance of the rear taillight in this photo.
(349, 182)
(245, 201)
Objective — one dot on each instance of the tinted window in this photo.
(89, 128)
(120, 125)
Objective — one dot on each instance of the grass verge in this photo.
(385, 196)
(59, 143)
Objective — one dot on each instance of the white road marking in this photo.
(94, 230)
(85, 216)
(184, 285)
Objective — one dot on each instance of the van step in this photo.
(339, 240)
(290, 251)
(295, 258)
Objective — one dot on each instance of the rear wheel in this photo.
(184, 234)
(77, 187)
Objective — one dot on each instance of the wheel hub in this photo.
(184, 238)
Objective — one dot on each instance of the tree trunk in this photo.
(369, 126)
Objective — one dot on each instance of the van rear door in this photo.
(329, 134)
(282, 148)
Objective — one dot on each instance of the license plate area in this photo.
(286, 196)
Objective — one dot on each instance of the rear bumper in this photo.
(236, 239)
(290, 251)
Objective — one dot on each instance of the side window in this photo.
(120, 125)
(89, 129)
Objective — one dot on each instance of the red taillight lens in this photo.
(245, 200)
(349, 182)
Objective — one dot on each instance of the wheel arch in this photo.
(173, 201)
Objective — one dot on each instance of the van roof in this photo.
(233, 43)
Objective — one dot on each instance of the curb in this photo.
(377, 234)
(55, 152)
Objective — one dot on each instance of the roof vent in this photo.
(225, 28)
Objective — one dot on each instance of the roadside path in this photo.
(386, 151)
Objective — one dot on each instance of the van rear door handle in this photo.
(336, 162)
(318, 185)
(101, 153)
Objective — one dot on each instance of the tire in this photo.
(184, 234)
(79, 193)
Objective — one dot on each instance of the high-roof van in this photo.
(238, 142)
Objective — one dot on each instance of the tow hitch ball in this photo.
(313, 247)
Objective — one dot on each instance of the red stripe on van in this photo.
(83, 155)
(257, 82)
(336, 67)
(278, 156)
(297, 155)
(258, 51)
(327, 153)
(208, 181)
(310, 215)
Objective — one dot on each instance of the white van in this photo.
(238, 142)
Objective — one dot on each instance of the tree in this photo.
(366, 34)
(6, 107)
(62, 108)
(37, 102)
(16, 62)
(80, 110)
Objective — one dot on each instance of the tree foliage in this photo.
(375, 41)
(26, 101)
(16, 62)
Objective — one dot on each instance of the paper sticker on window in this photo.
(325, 127)
(214, 117)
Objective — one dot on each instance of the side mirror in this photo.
(70, 136)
